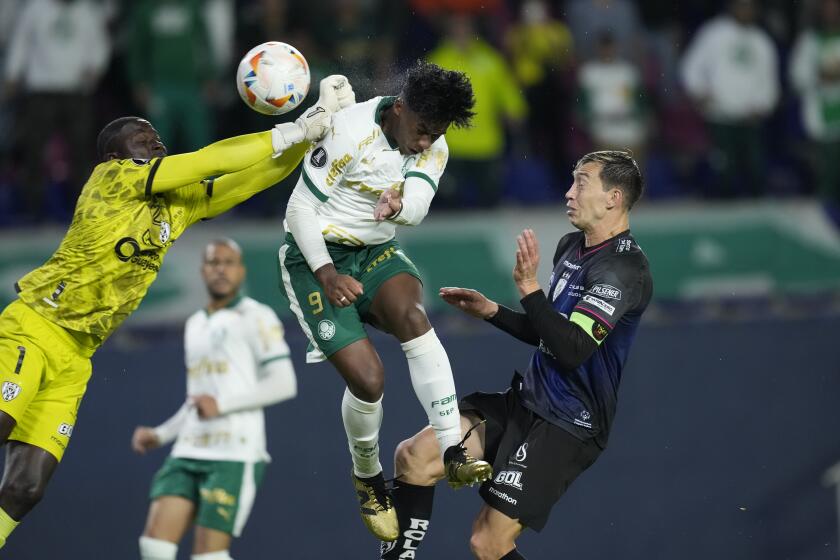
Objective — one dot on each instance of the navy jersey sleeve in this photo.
(616, 285)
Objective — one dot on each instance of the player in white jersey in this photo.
(341, 266)
(237, 363)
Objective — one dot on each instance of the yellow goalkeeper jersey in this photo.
(113, 249)
(127, 217)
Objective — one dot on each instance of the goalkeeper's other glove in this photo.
(335, 93)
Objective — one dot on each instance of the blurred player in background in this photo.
(135, 204)
(554, 421)
(341, 267)
(237, 364)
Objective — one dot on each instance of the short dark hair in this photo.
(109, 133)
(620, 170)
(437, 95)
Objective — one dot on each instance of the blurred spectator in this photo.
(171, 68)
(815, 73)
(730, 70)
(58, 51)
(541, 51)
(588, 19)
(358, 41)
(611, 101)
(473, 175)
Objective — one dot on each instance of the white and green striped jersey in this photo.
(354, 164)
(227, 353)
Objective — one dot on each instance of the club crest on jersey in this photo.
(165, 231)
(558, 288)
(326, 329)
(318, 159)
(10, 391)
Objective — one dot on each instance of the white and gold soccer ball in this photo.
(273, 78)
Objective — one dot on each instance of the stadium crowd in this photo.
(716, 98)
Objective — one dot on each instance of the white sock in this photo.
(431, 377)
(361, 423)
(156, 549)
(218, 555)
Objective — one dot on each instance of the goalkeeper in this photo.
(135, 204)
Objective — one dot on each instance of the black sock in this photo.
(414, 512)
(513, 555)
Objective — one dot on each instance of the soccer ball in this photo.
(273, 78)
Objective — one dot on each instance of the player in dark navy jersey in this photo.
(554, 420)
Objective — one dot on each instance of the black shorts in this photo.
(534, 461)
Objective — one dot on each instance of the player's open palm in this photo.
(144, 439)
(469, 301)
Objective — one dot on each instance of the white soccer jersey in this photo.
(354, 164)
(225, 352)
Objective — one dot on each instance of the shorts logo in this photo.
(600, 304)
(606, 291)
(502, 496)
(65, 429)
(599, 332)
(511, 478)
(318, 159)
(10, 391)
(326, 329)
(583, 420)
(522, 452)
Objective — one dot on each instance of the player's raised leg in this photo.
(418, 467)
(211, 544)
(398, 308)
(361, 411)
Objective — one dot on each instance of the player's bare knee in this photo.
(418, 460)
(415, 321)
(368, 385)
(487, 546)
(24, 492)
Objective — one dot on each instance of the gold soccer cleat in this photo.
(461, 468)
(377, 508)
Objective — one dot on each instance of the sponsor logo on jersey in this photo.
(624, 245)
(600, 304)
(10, 391)
(65, 429)
(567, 264)
(336, 167)
(503, 496)
(140, 161)
(326, 329)
(583, 420)
(319, 157)
(510, 478)
(605, 290)
(599, 332)
(522, 452)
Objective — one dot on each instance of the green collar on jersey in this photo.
(231, 304)
(384, 103)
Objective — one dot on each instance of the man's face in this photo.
(140, 140)
(586, 199)
(222, 270)
(412, 134)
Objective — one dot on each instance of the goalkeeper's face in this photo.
(222, 270)
(141, 141)
(413, 134)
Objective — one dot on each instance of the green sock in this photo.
(7, 525)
